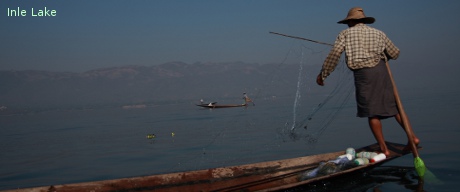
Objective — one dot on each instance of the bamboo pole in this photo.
(418, 162)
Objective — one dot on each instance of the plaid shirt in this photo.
(364, 46)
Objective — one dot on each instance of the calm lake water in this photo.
(62, 146)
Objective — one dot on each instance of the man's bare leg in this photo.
(376, 128)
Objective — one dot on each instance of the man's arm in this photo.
(391, 51)
(332, 59)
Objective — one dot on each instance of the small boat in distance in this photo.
(214, 105)
(220, 106)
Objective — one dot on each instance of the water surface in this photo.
(58, 146)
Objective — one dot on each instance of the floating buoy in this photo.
(366, 154)
(150, 136)
(361, 161)
(378, 158)
(172, 134)
(350, 151)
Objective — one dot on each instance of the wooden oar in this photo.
(418, 162)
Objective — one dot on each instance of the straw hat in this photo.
(357, 13)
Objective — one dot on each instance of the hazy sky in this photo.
(85, 35)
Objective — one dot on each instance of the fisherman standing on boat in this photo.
(366, 51)
(246, 99)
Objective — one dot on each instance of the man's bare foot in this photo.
(387, 153)
(408, 147)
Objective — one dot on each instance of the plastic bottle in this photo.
(365, 154)
(350, 151)
(378, 158)
(361, 161)
(348, 156)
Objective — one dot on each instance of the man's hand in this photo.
(319, 80)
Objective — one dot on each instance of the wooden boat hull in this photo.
(265, 176)
(220, 106)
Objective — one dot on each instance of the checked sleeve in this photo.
(391, 51)
(334, 56)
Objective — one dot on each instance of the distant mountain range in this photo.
(134, 85)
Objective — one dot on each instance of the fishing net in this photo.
(284, 129)
(309, 126)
